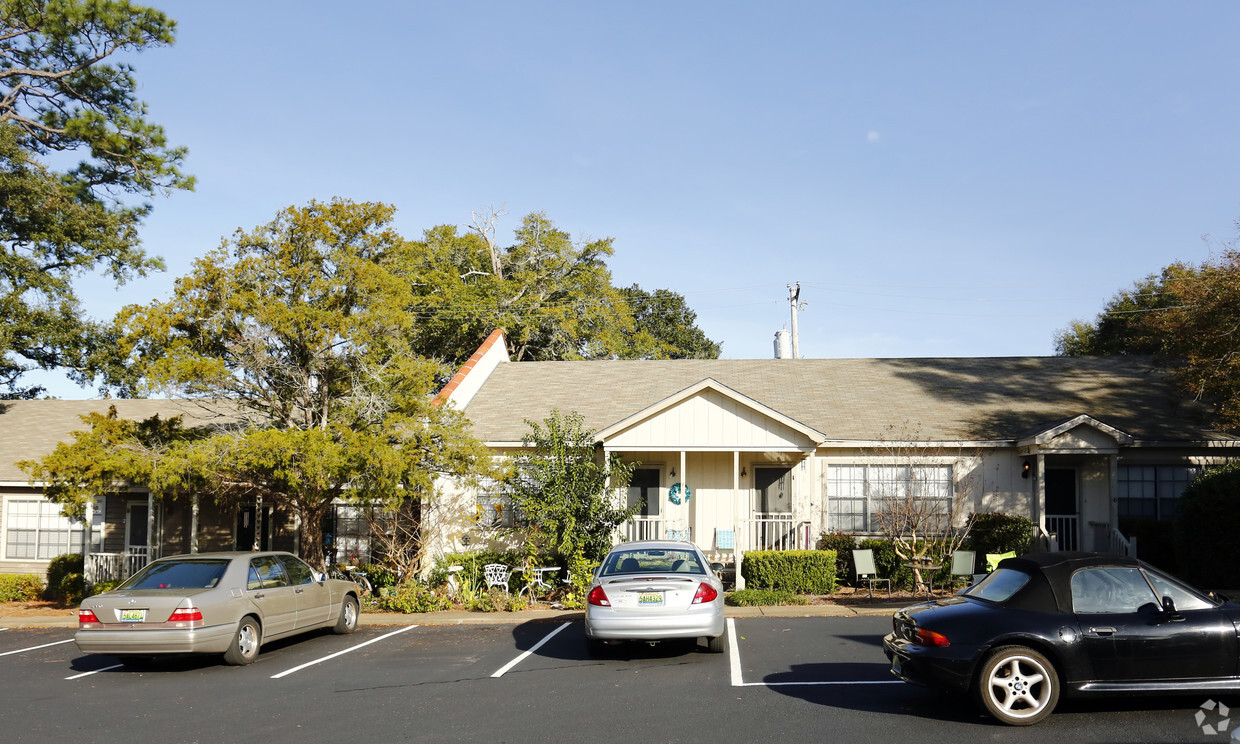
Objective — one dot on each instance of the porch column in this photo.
(684, 501)
(150, 526)
(737, 523)
(1113, 491)
(1039, 495)
(87, 528)
(193, 523)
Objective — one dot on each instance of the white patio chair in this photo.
(496, 574)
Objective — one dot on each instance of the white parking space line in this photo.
(351, 649)
(36, 648)
(505, 668)
(95, 671)
(738, 681)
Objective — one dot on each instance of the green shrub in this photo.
(20, 587)
(379, 576)
(494, 600)
(797, 571)
(412, 596)
(843, 544)
(1205, 532)
(996, 532)
(60, 567)
(763, 598)
(103, 586)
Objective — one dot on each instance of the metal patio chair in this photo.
(863, 566)
(496, 574)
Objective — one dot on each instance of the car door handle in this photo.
(301, 591)
(1103, 631)
(260, 595)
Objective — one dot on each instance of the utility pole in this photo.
(794, 299)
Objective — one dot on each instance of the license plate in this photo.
(133, 616)
(650, 599)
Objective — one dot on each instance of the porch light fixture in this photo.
(1024, 469)
(743, 473)
(672, 472)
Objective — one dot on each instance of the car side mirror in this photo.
(320, 577)
(1168, 606)
(716, 567)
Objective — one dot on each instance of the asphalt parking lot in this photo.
(780, 680)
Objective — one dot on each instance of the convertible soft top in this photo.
(1049, 587)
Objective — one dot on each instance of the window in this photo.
(856, 492)
(494, 509)
(1114, 591)
(36, 530)
(1152, 491)
(346, 535)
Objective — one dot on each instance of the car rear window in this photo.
(652, 561)
(199, 573)
(999, 586)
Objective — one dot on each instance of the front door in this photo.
(250, 534)
(774, 486)
(1062, 512)
(135, 533)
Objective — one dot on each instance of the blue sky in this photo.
(944, 179)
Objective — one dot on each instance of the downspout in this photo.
(1039, 497)
(150, 526)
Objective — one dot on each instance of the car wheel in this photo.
(347, 623)
(245, 643)
(714, 645)
(1018, 685)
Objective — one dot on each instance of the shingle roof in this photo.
(944, 399)
(29, 429)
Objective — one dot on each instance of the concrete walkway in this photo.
(457, 617)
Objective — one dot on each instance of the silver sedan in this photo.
(655, 590)
(223, 603)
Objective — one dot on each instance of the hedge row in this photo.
(796, 571)
(20, 587)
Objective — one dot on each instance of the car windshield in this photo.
(999, 586)
(652, 561)
(197, 573)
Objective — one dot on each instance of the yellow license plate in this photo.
(648, 599)
(133, 616)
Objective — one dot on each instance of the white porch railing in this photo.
(777, 532)
(1043, 541)
(1065, 528)
(1123, 545)
(642, 528)
(114, 566)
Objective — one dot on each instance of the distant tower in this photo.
(783, 344)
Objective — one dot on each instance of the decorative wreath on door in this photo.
(673, 493)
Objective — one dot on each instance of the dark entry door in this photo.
(246, 525)
(644, 490)
(774, 486)
(1062, 512)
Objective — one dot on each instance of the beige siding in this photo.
(710, 420)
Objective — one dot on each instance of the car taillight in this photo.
(86, 616)
(930, 638)
(185, 615)
(705, 593)
(598, 597)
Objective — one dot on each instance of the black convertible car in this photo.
(1079, 623)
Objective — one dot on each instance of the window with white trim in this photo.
(36, 530)
(856, 492)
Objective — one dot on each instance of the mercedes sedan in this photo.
(1068, 623)
(216, 603)
(655, 590)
